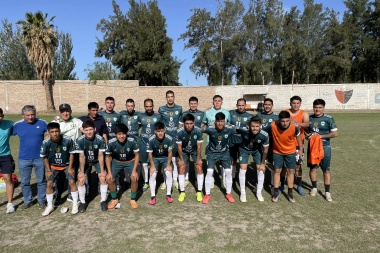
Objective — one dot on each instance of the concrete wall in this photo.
(15, 94)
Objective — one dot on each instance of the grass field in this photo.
(351, 223)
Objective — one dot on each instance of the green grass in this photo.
(351, 223)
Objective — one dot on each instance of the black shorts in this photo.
(7, 164)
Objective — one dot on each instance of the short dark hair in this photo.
(93, 105)
(148, 100)
(169, 92)
(1, 111)
(241, 99)
(255, 119)
(295, 98)
(88, 123)
(268, 99)
(121, 128)
(217, 96)
(319, 101)
(284, 115)
(220, 116)
(53, 125)
(193, 99)
(129, 100)
(109, 98)
(159, 126)
(188, 117)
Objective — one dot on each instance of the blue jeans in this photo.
(25, 167)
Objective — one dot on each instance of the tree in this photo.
(41, 41)
(137, 44)
(101, 71)
(64, 62)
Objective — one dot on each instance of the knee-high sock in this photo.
(169, 182)
(223, 172)
(181, 180)
(208, 180)
(187, 171)
(175, 169)
(200, 182)
(49, 199)
(146, 175)
(233, 169)
(75, 196)
(103, 192)
(228, 180)
(260, 181)
(242, 180)
(82, 193)
(152, 184)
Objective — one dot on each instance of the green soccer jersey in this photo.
(219, 140)
(122, 151)
(171, 116)
(90, 148)
(131, 121)
(160, 148)
(198, 115)
(189, 140)
(238, 120)
(57, 153)
(112, 120)
(322, 125)
(266, 120)
(251, 142)
(147, 125)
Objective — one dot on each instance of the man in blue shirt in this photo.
(31, 132)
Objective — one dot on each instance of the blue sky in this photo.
(80, 17)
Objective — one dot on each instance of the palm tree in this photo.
(41, 41)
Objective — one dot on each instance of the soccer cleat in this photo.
(206, 199)
(328, 196)
(260, 197)
(300, 190)
(75, 210)
(113, 204)
(175, 184)
(230, 198)
(163, 186)
(199, 196)
(187, 183)
(82, 207)
(243, 198)
(48, 210)
(133, 203)
(313, 192)
(10, 208)
(182, 197)
(281, 188)
(169, 199)
(145, 187)
(275, 199)
(152, 201)
(291, 198)
(103, 206)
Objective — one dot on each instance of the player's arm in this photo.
(263, 158)
(330, 135)
(299, 144)
(134, 174)
(199, 152)
(180, 154)
(105, 137)
(82, 163)
(151, 161)
(108, 166)
(48, 171)
(169, 166)
(305, 121)
(71, 165)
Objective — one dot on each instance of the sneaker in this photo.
(300, 190)
(275, 199)
(10, 208)
(133, 203)
(113, 204)
(152, 201)
(182, 197)
(57, 202)
(48, 210)
(103, 206)
(243, 198)
(328, 196)
(82, 207)
(169, 199)
(145, 187)
(163, 186)
(230, 198)
(75, 210)
(70, 198)
(42, 205)
(26, 205)
(260, 197)
(176, 185)
(291, 198)
(281, 188)
(313, 192)
(206, 199)
(187, 183)
(199, 196)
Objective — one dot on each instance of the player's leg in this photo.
(211, 160)
(39, 169)
(234, 154)
(82, 175)
(283, 177)
(144, 163)
(74, 191)
(313, 177)
(175, 167)
(243, 160)
(325, 166)
(260, 175)
(298, 174)
(152, 181)
(115, 169)
(25, 169)
(169, 179)
(103, 187)
(50, 193)
(278, 161)
(128, 168)
(290, 165)
(225, 163)
(181, 177)
(200, 178)
(7, 167)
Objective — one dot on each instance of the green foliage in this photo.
(101, 71)
(137, 44)
(64, 62)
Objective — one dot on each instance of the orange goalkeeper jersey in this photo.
(283, 140)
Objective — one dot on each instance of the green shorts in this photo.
(326, 161)
(56, 172)
(88, 168)
(284, 161)
(223, 158)
(116, 167)
(160, 161)
(244, 156)
(186, 156)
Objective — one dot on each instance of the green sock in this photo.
(113, 194)
(133, 195)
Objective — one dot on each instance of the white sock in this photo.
(146, 175)
(175, 169)
(200, 181)
(242, 180)
(74, 195)
(223, 171)
(169, 182)
(82, 194)
(49, 199)
(233, 168)
(103, 192)
(260, 181)
(152, 184)
(187, 172)
(181, 180)
(208, 180)
(228, 180)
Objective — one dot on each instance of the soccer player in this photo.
(301, 119)
(284, 152)
(122, 154)
(7, 164)
(31, 131)
(147, 121)
(160, 151)
(218, 150)
(110, 116)
(91, 148)
(171, 116)
(189, 143)
(129, 117)
(255, 142)
(58, 154)
(323, 125)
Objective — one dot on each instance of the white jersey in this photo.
(70, 129)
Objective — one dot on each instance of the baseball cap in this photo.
(65, 107)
